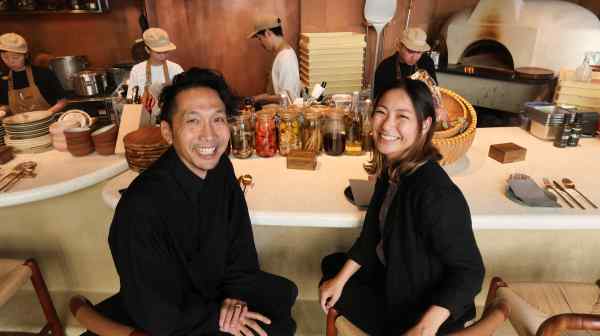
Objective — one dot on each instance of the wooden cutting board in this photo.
(132, 118)
(534, 73)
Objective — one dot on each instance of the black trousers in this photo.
(363, 298)
(268, 294)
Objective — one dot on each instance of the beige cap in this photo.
(13, 42)
(158, 40)
(265, 22)
(415, 39)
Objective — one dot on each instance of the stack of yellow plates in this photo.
(335, 58)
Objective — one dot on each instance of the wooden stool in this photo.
(550, 308)
(13, 275)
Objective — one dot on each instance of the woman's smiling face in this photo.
(395, 124)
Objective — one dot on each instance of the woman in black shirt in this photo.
(415, 267)
(24, 87)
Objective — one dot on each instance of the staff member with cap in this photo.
(26, 88)
(284, 77)
(409, 57)
(151, 75)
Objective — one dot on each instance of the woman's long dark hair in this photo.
(422, 150)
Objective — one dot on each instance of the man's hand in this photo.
(237, 320)
(149, 101)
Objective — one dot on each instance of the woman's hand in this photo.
(330, 292)
(430, 322)
(149, 102)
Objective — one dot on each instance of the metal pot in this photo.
(90, 83)
(118, 74)
(66, 67)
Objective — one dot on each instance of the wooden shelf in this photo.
(103, 7)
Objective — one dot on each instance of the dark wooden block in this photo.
(301, 160)
(507, 152)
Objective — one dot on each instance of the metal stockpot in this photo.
(66, 67)
(90, 82)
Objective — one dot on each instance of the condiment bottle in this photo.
(562, 137)
(311, 131)
(354, 130)
(242, 136)
(289, 132)
(367, 129)
(266, 138)
(575, 132)
(334, 133)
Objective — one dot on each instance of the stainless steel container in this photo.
(66, 67)
(546, 119)
(118, 74)
(90, 83)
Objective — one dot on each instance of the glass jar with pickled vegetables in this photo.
(242, 136)
(265, 134)
(334, 133)
(289, 132)
(312, 140)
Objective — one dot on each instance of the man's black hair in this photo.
(277, 31)
(195, 78)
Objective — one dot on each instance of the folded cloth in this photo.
(523, 188)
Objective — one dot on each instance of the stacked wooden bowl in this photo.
(79, 141)
(105, 139)
(57, 129)
(143, 147)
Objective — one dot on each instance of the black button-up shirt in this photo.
(175, 239)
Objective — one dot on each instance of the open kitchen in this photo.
(515, 91)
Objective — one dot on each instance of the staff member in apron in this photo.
(150, 76)
(25, 87)
(408, 59)
(284, 77)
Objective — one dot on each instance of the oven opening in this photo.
(487, 54)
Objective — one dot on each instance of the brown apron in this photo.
(26, 99)
(149, 77)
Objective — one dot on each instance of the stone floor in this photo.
(23, 313)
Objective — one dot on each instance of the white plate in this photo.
(80, 116)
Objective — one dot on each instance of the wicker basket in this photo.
(455, 147)
(457, 109)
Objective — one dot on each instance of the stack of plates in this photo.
(143, 147)
(588, 121)
(28, 132)
(335, 58)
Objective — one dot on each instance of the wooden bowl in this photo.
(106, 133)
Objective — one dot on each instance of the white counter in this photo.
(59, 173)
(302, 198)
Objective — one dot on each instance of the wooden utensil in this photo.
(566, 192)
(571, 185)
(548, 185)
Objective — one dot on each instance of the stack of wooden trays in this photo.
(143, 147)
(335, 58)
(28, 132)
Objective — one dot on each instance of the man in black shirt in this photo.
(406, 61)
(181, 237)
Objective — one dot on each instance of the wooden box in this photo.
(301, 160)
(507, 152)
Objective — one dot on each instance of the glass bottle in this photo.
(583, 73)
(289, 132)
(353, 121)
(576, 128)
(367, 128)
(334, 133)
(562, 137)
(311, 131)
(242, 136)
(266, 134)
